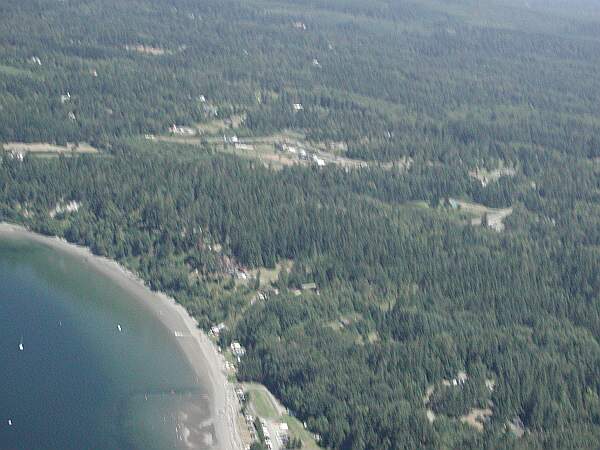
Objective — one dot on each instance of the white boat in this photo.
(119, 327)
(9, 422)
(21, 344)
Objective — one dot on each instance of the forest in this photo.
(421, 311)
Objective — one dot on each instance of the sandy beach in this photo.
(200, 351)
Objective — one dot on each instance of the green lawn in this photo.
(262, 403)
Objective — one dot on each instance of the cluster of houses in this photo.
(16, 155)
(486, 177)
(235, 141)
(182, 131)
(230, 368)
(70, 207)
(460, 379)
(299, 25)
(282, 434)
(230, 267)
(301, 153)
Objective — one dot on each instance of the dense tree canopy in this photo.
(409, 290)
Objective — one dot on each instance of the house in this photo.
(240, 394)
(297, 106)
(285, 147)
(230, 139)
(65, 98)
(315, 62)
(240, 146)
(318, 161)
(35, 60)
(237, 349)
(309, 287)
(216, 329)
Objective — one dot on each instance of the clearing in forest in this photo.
(477, 417)
(264, 405)
(483, 215)
(46, 147)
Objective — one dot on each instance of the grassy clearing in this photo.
(261, 401)
(220, 125)
(46, 147)
(268, 276)
(478, 212)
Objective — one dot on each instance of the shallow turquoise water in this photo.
(80, 382)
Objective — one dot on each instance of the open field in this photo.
(263, 402)
(147, 49)
(46, 147)
(219, 125)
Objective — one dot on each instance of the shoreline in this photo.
(199, 350)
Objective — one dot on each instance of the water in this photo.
(80, 382)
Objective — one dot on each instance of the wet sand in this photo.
(201, 353)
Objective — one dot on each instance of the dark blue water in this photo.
(79, 382)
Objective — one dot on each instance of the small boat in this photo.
(21, 344)
(9, 422)
(119, 328)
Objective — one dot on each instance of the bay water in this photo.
(83, 363)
